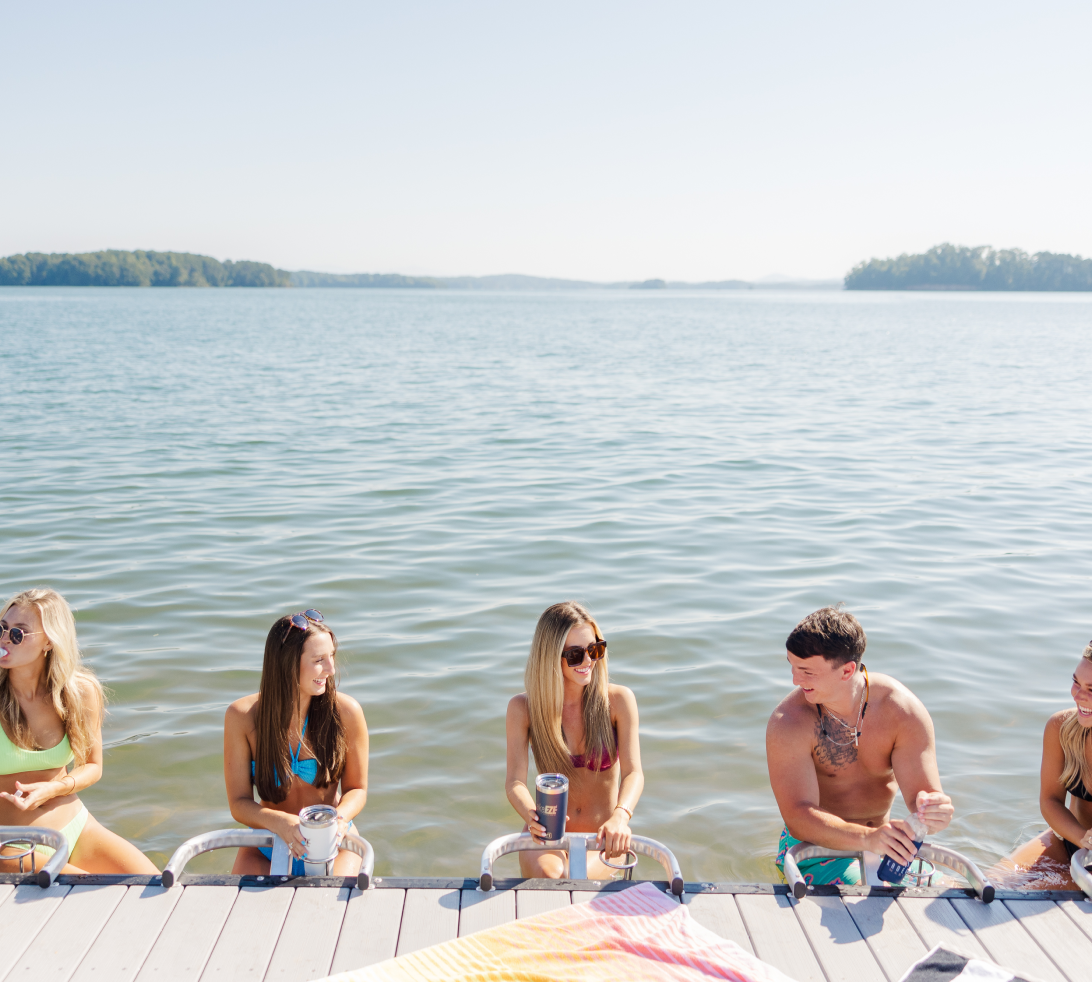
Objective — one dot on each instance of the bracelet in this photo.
(628, 811)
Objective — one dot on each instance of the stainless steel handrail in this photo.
(576, 845)
(1081, 876)
(255, 838)
(938, 855)
(40, 837)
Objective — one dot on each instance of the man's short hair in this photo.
(832, 633)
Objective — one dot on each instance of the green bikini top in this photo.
(16, 760)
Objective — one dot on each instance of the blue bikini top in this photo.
(305, 770)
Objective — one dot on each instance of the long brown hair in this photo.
(1075, 740)
(77, 695)
(278, 699)
(545, 687)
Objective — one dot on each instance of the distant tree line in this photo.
(114, 267)
(950, 267)
(304, 278)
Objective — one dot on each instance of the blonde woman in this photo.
(1066, 769)
(577, 724)
(51, 710)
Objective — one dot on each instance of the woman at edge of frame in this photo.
(577, 724)
(51, 707)
(296, 740)
(1066, 769)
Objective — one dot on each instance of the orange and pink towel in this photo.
(637, 934)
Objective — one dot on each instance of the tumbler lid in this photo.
(318, 816)
(552, 782)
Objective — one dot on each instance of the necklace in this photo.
(856, 728)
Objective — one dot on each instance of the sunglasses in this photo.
(302, 620)
(16, 633)
(575, 655)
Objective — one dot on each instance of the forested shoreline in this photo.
(117, 267)
(951, 267)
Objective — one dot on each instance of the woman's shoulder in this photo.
(621, 698)
(242, 711)
(348, 706)
(1054, 724)
(519, 706)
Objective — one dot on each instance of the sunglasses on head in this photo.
(575, 655)
(302, 620)
(15, 633)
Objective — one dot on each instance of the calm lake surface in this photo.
(432, 469)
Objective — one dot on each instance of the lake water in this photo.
(432, 469)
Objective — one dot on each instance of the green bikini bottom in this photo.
(71, 832)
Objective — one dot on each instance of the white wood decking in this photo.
(205, 931)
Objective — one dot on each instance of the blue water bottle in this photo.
(552, 804)
(892, 871)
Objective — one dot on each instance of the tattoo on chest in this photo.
(828, 752)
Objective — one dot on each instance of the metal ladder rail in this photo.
(938, 855)
(38, 836)
(280, 865)
(576, 845)
(1082, 858)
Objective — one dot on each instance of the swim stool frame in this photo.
(576, 844)
(937, 855)
(38, 836)
(279, 865)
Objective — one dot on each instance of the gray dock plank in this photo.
(937, 923)
(894, 942)
(478, 911)
(369, 933)
(305, 949)
(718, 912)
(250, 934)
(777, 935)
(532, 902)
(842, 952)
(1080, 913)
(187, 939)
(124, 943)
(72, 930)
(429, 917)
(22, 915)
(1007, 942)
(1065, 943)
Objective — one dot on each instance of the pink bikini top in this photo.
(604, 763)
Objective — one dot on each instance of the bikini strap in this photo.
(299, 747)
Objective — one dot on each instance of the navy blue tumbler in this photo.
(552, 804)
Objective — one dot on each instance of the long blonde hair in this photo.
(77, 695)
(545, 687)
(1075, 740)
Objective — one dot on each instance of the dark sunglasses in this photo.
(575, 656)
(15, 633)
(302, 620)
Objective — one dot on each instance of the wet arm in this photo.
(914, 761)
(354, 779)
(1051, 792)
(629, 752)
(517, 728)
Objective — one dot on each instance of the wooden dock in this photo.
(293, 930)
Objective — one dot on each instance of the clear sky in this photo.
(684, 140)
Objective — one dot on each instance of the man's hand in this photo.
(895, 839)
(935, 809)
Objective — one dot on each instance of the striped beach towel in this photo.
(636, 934)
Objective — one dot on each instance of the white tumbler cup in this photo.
(318, 824)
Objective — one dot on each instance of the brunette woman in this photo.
(295, 740)
(51, 709)
(577, 724)
(1066, 769)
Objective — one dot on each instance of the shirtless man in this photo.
(841, 744)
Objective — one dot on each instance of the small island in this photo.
(952, 267)
(117, 267)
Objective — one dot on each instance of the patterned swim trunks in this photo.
(845, 871)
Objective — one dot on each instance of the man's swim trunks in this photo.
(846, 871)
